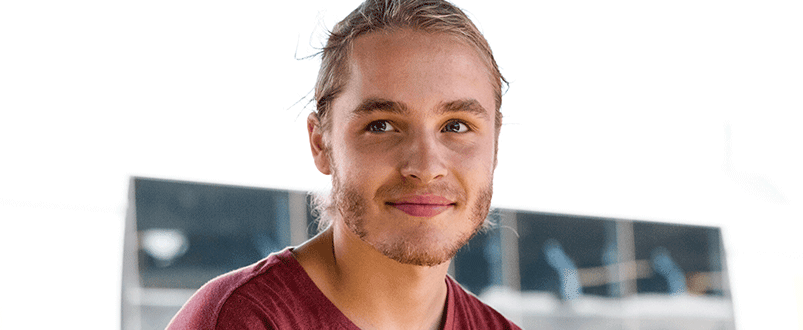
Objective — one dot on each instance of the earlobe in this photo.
(319, 151)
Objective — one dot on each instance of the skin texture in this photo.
(412, 151)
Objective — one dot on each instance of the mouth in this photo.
(424, 206)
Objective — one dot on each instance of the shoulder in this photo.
(469, 312)
(234, 291)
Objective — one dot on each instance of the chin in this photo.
(420, 246)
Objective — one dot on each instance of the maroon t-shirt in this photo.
(276, 293)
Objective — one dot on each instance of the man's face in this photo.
(411, 146)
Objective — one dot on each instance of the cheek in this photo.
(362, 165)
(477, 158)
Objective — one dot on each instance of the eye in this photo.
(380, 126)
(455, 126)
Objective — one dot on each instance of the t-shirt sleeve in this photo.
(241, 312)
(201, 311)
(274, 293)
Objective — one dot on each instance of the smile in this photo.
(424, 206)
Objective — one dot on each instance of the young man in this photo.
(407, 122)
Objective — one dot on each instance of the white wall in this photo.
(614, 109)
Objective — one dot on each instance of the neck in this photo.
(372, 290)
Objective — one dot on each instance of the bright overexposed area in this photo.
(683, 112)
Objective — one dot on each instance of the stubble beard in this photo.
(412, 249)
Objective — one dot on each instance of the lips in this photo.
(422, 205)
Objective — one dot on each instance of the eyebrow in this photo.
(471, 106)
(373, 105)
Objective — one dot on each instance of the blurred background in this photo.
(667, 126)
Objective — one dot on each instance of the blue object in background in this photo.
(663, 264)
(570, 287)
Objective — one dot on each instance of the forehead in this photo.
(422, 70)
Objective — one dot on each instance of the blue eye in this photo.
(455, 126)
(379, 126)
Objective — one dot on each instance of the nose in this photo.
(423, 159)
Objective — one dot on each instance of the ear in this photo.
(319, 151)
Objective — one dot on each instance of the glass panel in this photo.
(683, 259)
(189, 233)
(565, 254)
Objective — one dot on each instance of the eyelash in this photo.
(455, 121)
(370, 127)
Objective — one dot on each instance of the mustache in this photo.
(406, 187)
